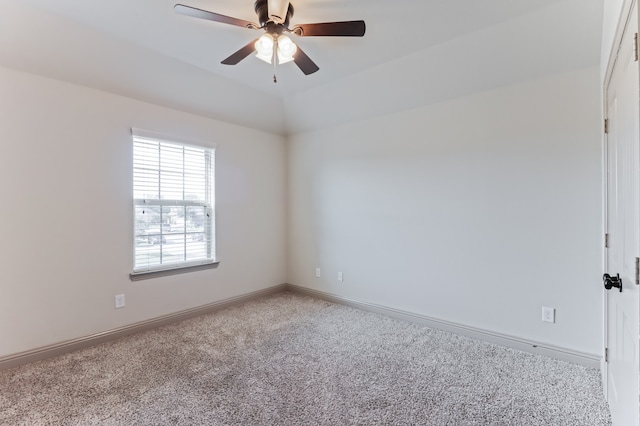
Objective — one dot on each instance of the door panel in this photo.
(623, 227)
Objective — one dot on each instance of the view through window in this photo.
(173, 191)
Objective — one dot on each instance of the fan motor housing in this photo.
(262, 10)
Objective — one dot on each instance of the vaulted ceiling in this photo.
(413, 53)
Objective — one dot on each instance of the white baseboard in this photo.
(95, 339)
(564, 354)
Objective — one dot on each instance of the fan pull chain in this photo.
(275, 60)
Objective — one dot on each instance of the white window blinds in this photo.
(173, 192)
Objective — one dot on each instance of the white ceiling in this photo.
(414, 52)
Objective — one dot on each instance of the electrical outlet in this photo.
(340, 277)
(119, 301)
(317, 272)
(548, 314)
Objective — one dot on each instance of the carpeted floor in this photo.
(294, 360)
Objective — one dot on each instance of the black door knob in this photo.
(610, 282)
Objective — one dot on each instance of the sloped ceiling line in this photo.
(414, 53)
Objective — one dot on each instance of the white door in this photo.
(623, 217)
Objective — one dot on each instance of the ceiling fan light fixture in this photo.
(286, 49)
(264, 46)
(274, 17)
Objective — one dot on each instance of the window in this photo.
(173, 194)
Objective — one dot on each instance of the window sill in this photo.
(145, 275)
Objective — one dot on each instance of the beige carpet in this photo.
(294, 360)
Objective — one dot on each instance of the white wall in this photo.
(66, 212)
(478, 210)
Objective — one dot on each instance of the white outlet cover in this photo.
(340, 276)
(548, 314)
(119, 301)
(317, 272)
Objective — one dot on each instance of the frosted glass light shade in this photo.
(264, 47)
(286, 49)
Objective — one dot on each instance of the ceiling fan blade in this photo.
(306, 65)
(340, 29)
(241, 54)
(210, 16)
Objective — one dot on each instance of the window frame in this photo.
(171, 268)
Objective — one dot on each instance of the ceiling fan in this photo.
(274, 46)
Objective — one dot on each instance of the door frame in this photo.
(623, 20)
